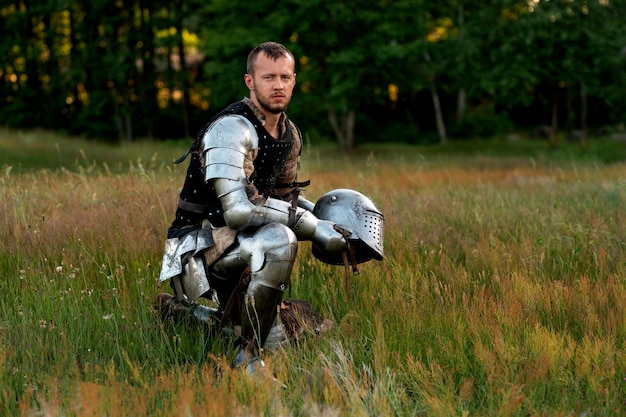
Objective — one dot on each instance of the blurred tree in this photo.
(340, 47)
(547, 50)
(177, 55)
(123, 68)
(343, 44)
(229, 30)
(424, 49)
(93, 67)
(607, 75)
(25, 57)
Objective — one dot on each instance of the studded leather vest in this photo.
(198, 200)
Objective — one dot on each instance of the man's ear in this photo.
(247, 78)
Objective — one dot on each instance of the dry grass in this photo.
(502, 294)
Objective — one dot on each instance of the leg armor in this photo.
(193, 282)
(270, 252)
(184, 264)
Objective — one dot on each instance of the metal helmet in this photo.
(357, 213)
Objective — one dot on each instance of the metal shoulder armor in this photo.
(225, 145)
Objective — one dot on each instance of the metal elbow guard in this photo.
(240, 213)
(238, 217)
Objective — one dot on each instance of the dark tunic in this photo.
(275, 172)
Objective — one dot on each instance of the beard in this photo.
(264, 102)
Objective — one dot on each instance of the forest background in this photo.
(409, 71)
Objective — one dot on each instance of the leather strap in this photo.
(349, 259)
(291, 223)
(244, 280)
(192, 207)
(293, 184)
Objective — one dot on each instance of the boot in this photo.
(257, 318)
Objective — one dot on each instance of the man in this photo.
(240, 216)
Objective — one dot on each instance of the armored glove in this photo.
(322, 233)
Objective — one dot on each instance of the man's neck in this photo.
(271, 121)
(271, 124)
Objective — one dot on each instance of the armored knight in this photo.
(240, 215)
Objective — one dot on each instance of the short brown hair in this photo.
(273, 50)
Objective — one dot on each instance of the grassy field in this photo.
(502, 293)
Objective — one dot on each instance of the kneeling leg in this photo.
(270, 253)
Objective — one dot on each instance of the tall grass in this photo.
(502, 291)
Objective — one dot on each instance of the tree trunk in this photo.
(147, 76)
(570, 115)
(441, 127)
(461, 98)
(461, 101)
(128, 120)
(183, 76)
(344, 128)
(583, 108)
(114, 93)
(555, 120)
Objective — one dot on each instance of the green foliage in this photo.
(91, 67)
(132, 68)
(481, 122)
(549, 52)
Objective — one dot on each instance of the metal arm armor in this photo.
(225, 146)
(240, 213)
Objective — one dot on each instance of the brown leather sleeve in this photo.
(290, 171)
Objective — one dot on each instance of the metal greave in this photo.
(271, 253)
(259, 312)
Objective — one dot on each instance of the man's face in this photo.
(272, 84)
